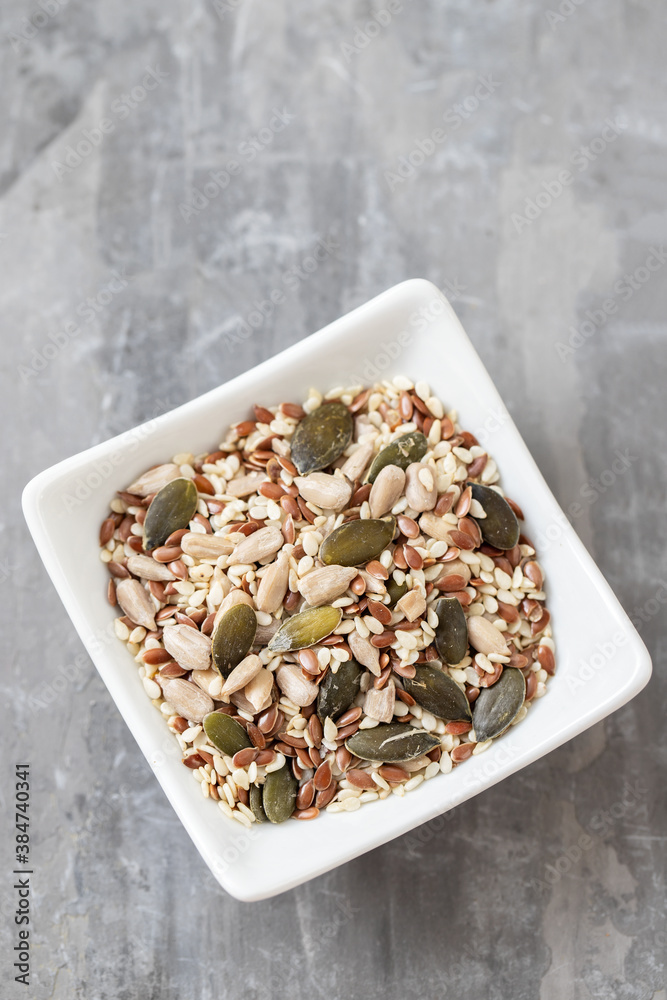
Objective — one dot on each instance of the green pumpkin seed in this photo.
(255, 799)
(500, 527)
(279, 795)
(233, 638)
(225, 733)
(402, 452)
(391, 742)
(451, 633)
(305, 629)
(396, 590)
(496, 706)
(438, 694)
(321, 437)
(357, 542)
(338, 691)
(172, 508)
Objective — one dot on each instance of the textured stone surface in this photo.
(467, 907)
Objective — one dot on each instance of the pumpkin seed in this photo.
(500, 527)
(338, 691)
(233, 638)
(305, 629)
(396, 590)
(498, 705)
(402, 452)
(451, 633)
(255, 799)
(391, 742)
(357, 542)
(172, 508)
(279, 795)
(321, 437)
(438, 694)
(225, 733)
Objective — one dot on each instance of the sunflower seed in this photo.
(379, 704)
(434, 526)
(242, 674)
(273, 585)
(412, 605)
(329, 492)
(258, 690)
(386, 490)
(244, 486)
(354, 467)
(420, 488)
(261, 544)
(365, 652)
(321, 586)
(205, 546)
(136, 603)
(153, 480)
(189, 647)
(485, 637)
(188, 699)
(294, 685)
(148, 569)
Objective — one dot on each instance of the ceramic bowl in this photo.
(410, 329)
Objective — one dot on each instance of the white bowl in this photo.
(410, 329)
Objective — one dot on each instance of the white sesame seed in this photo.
(330, 730)
(309, 543)
(425, 477)
(121, 630)
(414, 782)
(276, 764)
(380, 781)
(152, 688)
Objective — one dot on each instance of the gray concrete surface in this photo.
(495, 901)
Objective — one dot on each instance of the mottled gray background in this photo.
(469, 908)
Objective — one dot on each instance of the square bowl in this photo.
(410, 329)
